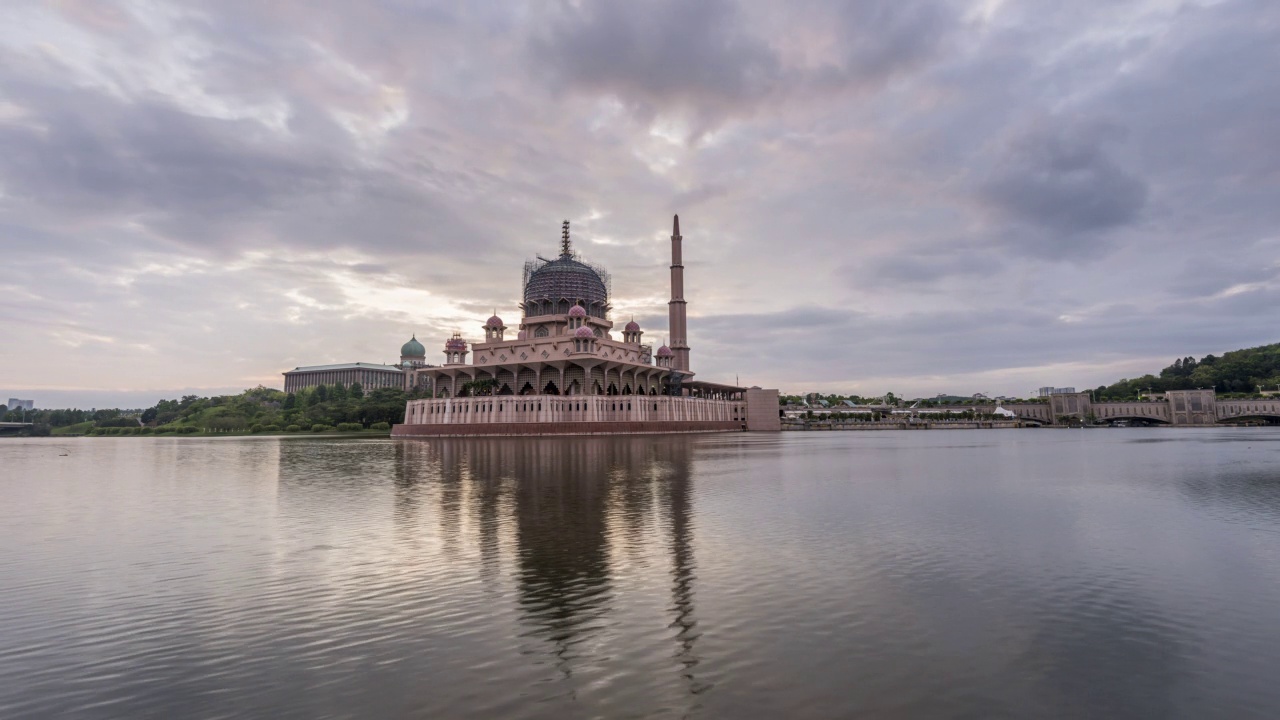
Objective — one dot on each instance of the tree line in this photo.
(1239, 373)
(260, 409)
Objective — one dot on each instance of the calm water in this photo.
(967, 574)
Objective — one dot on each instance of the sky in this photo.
(875, 195)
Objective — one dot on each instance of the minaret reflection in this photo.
(677, 498)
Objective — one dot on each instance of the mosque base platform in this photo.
(565, 428)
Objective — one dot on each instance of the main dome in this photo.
(565, 278)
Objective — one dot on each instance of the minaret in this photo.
(676, 308)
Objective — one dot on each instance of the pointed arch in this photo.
(549, 389)
(504, 390)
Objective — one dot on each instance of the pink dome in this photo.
(665, 351)
(632, 326)
(584, 332)
(456, 343)
(577, 311)
(495, 322)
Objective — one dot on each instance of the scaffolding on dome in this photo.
(532, 266)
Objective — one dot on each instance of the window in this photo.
(541, 332)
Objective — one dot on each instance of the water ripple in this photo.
(902, 574)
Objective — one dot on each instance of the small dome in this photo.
(413, 348)
(494, 322)
(632, 326)
(665, 351)
(584, 332)
(455, 343)
(577, 311)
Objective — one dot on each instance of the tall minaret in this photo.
(679, 325)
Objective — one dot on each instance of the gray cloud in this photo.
(885, 38)
(1059, 178)
(654, 55)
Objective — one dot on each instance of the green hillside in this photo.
(1237, 373)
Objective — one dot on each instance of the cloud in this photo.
(653, 56)
(922, 194)
(1058, 178)
(710, 61)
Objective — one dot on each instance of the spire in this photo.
(676, 229)
(565, 247)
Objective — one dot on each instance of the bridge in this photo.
(1177, 407)
(13, 428)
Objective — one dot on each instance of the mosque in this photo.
(565, 373)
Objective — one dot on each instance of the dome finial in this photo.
(565, 248)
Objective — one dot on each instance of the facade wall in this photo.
(1228, 409)
(540, 378)
(369, 378)
(1155, 411)
(567, 409)
(1178, 407)
(1192, 407)
(1026, 411)
(564, 428)
(554, 347)
(763, 410)
(1069, 404)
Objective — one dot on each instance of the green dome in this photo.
(413, 348)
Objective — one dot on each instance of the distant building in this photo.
(16, 404)
(371, 376)
(1048, 390)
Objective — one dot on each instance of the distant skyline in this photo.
(877, 195)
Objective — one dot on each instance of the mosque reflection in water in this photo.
(563, 512)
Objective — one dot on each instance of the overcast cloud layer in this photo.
(875, 195)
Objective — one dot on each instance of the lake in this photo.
(958, 574)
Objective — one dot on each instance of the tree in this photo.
(149, 414)
(290, 402)
(320, 394)
(338, 393)
(356, 391)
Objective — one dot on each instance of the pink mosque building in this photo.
(565, 373)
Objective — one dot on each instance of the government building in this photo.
(564, 372)
(370, 376)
